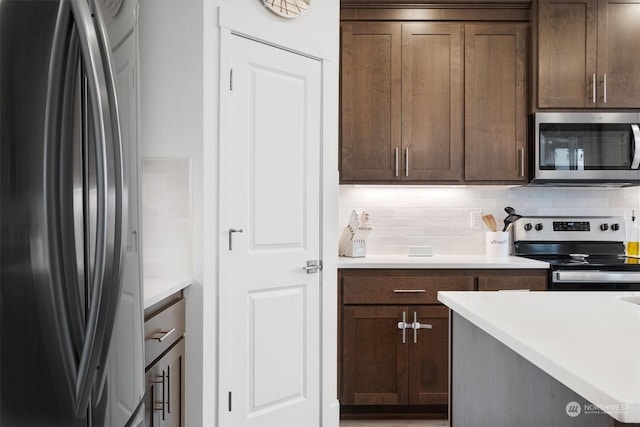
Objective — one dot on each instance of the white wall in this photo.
(440, 216)
(171, 81)
(180, 77)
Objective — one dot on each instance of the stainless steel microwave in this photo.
(586, 148)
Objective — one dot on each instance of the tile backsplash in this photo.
(166, 217)
(439, 217)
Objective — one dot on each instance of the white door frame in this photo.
(232, 18)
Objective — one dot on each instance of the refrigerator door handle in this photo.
(65, 311)
(106, 280)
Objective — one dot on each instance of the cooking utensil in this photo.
(490, 222)
(511, 217)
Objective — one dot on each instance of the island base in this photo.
(492, 385)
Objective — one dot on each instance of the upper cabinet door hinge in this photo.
(231, 79)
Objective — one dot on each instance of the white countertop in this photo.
(441, 261)
(588, 341)
(158, 288)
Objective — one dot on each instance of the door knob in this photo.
(313, 266)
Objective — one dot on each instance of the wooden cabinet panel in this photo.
(567, 53)
(418, 289)
(587, 54)
(618, 53)
(433, 102)
(163, 329)
(495, 102)
(164, 400)
(429, 357)
(432, 95)
(374, 361)
(534, 280)
(370, 101)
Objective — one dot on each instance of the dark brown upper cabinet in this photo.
(401, 102)
(588, 54)
(495, 102)
(433, 102)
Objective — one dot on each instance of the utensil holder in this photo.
(497, 244)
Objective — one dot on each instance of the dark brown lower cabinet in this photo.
(429, 357)
(384, 366)
(164, 330)
(165, 389)
(388, 366)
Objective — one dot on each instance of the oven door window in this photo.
(566, 146)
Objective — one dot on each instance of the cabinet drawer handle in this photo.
(604, 81)
(409, 291)
(593, 86)
(165, 334)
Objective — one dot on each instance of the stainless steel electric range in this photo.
(585, 253)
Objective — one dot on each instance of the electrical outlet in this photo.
(476, 220)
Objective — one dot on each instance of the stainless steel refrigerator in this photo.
(71, 331)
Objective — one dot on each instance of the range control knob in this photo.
(539, 226)
(528, 227)
(615, 227)
(604, 227)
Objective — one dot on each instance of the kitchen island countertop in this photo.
(588, 341)
(441, 261)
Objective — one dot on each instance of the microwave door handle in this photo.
(635, 162)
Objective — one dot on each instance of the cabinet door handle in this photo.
(397, 160)
(521, 152)
(158, 380)
(406, 161)
(604, 81)
(593, 87)
(403, 326)
(168, 401)
(417, 325)
(409, 291)
(165, 334)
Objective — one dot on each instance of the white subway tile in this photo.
(441, 215)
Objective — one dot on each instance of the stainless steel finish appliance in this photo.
(585, 253)
(70, 354)
(586, 148)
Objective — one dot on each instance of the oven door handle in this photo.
(635, 162)
(595, 276)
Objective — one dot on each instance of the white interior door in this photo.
(270, 305)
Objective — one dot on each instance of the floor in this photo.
(394, 423)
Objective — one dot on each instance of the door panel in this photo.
(618, 35)
(432, 101)
(370, 101)
(495, 101)
(274, 194)
(277, 341)
(566, 53)
(278, 215)
(374, 361)
(429, 357)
